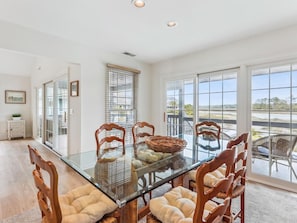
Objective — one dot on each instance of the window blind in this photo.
(120, 98)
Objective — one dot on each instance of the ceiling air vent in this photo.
(129, 54)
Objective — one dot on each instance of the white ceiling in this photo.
(117, 26)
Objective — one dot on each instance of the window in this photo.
(121, 97)
(217, 99)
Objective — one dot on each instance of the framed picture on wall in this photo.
(74, 88)
(15, 97)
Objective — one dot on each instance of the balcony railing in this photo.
(178, 124)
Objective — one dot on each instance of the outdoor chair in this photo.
(275, 148)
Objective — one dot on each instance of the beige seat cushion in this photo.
(85, 204)
(210, 179)
(177, 206)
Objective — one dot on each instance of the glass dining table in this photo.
(126, 176)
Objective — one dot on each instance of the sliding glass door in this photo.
(180, 107)
(214, 98)
(274, 125)
(217, 100)
(61, 115)
(49, 113)
(56, 115)
(39, 114)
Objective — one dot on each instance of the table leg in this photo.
(179, 181)
(129, 212)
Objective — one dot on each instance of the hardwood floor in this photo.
(17, 189)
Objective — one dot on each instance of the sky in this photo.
(278, 82)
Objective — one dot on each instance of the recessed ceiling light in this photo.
(171, 24)
(139, 3)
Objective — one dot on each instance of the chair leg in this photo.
(291, 166)
(190, 185)
(242, 206)
(144, 200)
(229, 212)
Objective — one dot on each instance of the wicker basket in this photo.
(165, 144)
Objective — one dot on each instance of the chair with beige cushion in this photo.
(240, 144)
(109, 136)
(181, 205)
(85, 204)
(240, 147)
(140, 131)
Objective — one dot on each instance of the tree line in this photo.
(274, 103)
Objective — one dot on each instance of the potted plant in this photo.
(16, 116)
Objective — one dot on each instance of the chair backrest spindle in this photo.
(208, 129)
(141, 130)
(108, 133)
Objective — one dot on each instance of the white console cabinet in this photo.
(16, 129)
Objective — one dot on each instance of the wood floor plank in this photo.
(17, 190)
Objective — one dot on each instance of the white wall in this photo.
(92, 62)
(18, 83)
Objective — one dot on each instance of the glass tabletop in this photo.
(124, 177)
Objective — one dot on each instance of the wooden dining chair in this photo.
(110, 136)
(208, 131)
(84, 204)
(240, 147)
(142, 130)
(184, 205)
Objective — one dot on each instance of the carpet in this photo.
(263, 204)
(266, 204)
